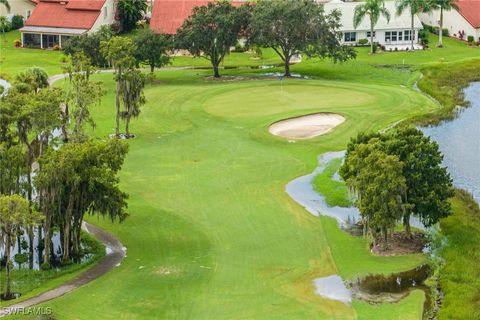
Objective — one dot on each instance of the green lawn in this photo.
(211, 229)
(14, 60)
(335, 192)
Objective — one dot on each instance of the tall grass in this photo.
(460, 279)
(445, 82)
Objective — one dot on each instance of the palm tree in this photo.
(3, 26)
(130, 12)
(373, 9)
(415, 6)
(6, 4)
(442, 5)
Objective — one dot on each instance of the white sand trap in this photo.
(306, 127)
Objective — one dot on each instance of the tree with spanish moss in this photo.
(78, 179)
(132, 83)
(15, 214)
(81, 95)
(120, 52)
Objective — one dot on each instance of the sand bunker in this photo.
(306, 127)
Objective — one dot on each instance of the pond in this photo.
(459, 141)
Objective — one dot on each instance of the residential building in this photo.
(169, 15)
(54, 21)
(460, 23)
(395, 34)
(22, 8)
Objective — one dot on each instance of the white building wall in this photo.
(453, 21)
(17, 7)
(106, 16)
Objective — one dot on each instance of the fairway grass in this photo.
(212, 233)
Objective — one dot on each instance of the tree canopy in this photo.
(152, 48)
(130, 12)
(292, 27)
(120, 52)
(15, 213)
(76, 179)
(90, 45)
(211, 31)
(401, 169)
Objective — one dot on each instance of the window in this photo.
(31, 40)
(350, 36)
(105, 13)
(400, 35)
(409, 35)
(369, 34)
(394, 36)
(388, 36)
(50, 40)
(29, 13)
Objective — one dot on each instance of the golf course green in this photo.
(211, 232)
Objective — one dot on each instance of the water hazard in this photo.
(459, 141)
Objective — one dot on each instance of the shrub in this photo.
(20, 258)
(239, 48)
(363, 42)
(435, 30)
(56, 47)
(423, 36)
(45, 266)
(17, 43)
(17, 22)
(470, 39)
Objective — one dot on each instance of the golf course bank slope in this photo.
(211, 232)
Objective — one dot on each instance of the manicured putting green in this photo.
(274, 97)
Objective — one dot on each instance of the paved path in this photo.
(115, 254)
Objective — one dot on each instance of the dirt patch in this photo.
(306, 127)
(401, 244)
(165, 271)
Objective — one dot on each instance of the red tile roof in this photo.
(75, 14)
(94, 5)
(169, 15)
(470, 10)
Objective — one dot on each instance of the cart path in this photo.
(115, 254)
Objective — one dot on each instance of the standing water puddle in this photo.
(372, 288)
